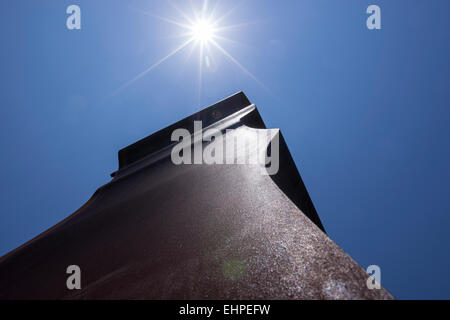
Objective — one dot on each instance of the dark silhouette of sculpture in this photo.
(162, 231)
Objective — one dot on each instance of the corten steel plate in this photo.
(161, 231)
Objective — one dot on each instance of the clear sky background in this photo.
(364, 113)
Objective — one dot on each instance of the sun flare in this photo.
(203, 31)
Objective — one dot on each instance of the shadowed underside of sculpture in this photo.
(162, 231)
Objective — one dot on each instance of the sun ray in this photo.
(204, 8)
(196, 15)
(163, 19)
(229, 56)
(200, 73)
(236, 26)
(140, 75)
(226, 14)
(178, 36)
(213, 11)
(203, 31)
(216, 36)
(191, 51)
(185, 16)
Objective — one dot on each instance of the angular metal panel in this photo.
(161, 231)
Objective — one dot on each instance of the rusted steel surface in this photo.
(161, 231)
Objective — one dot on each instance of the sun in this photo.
(203, 31)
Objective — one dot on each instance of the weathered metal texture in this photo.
(161, 231)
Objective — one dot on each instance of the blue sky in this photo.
(365, 113)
